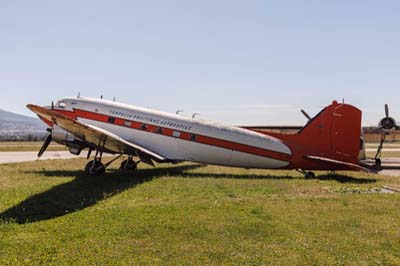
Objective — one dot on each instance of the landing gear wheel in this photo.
(309, 175)
(96, 169)
(129, 165)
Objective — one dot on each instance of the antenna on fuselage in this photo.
(101, 97)
(305, 114)
(79, 95)
(114, 99)
(195, 114)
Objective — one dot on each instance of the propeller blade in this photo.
(45, 145)
(387, 110)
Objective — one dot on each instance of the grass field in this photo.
(52, 214)
(28, 146)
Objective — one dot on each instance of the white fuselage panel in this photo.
(175, 148)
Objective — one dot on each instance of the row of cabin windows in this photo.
(159, 130)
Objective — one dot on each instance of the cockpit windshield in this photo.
(61, 104)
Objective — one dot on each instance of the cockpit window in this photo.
(61, 105)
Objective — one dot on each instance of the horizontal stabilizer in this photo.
(345, 165)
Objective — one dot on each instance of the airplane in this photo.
(386, 126)
(332, 140)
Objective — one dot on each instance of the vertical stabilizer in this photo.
(334, 132)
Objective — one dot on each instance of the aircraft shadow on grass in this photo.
(85, 191)
(327, 177)
(82, 192)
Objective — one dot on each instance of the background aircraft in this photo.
(386, 125)
(332, 140)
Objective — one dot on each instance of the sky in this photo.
(238, 62)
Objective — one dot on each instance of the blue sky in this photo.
(240, 62)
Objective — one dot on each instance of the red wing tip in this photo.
(30, 106)
(33, 107)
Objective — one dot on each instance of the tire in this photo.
(310, 175)
(129, 165)
(378, 163)
(99, 168)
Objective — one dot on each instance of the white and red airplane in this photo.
(332, 140)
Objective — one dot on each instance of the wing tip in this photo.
(32, 107)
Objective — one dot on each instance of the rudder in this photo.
(334, 132)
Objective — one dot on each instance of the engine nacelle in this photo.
(63, 137)
(387, 123)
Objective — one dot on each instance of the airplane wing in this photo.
(332, 162)
(96, 136)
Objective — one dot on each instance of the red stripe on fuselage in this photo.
(184, 135)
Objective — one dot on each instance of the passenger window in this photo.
(111, 120)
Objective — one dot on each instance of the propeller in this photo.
(387, 110)
(387, 123)
(46, 143)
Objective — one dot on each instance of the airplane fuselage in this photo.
(180, 138)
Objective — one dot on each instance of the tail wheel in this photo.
(95, 167)
(309, 175)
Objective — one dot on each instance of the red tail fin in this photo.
(334, 133)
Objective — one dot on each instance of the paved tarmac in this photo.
(384, 150)
(389, 163)
(28, 156)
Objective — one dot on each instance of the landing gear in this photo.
(95, 167)
(379, 151)
(307, 174)
(128, 164)
(378, 161)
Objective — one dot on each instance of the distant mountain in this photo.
(15, 125)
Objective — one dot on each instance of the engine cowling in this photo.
(387, 123)
(63, 137)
